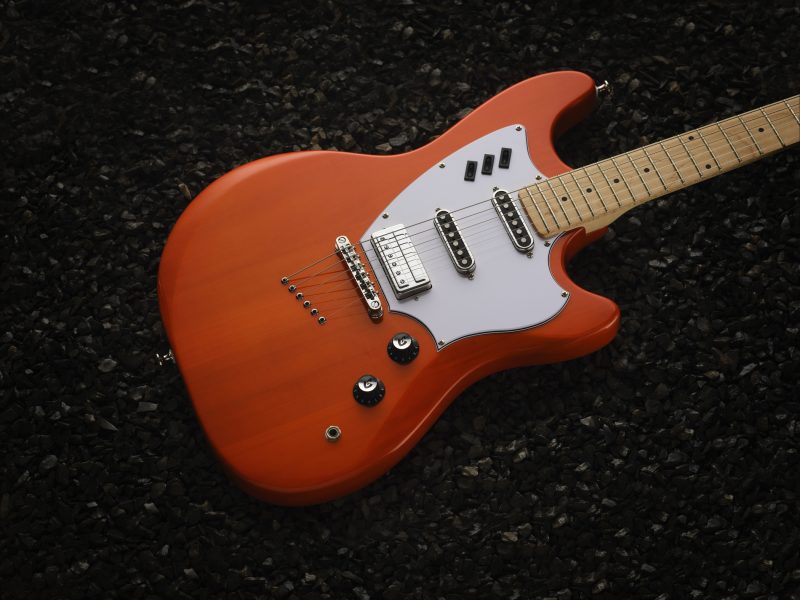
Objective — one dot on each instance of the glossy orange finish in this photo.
(266, 379)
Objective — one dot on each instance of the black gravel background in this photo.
(664, 466)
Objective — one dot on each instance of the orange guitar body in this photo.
(267, 380)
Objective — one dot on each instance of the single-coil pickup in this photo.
(515, 226)
(457, 248)
(361, 278)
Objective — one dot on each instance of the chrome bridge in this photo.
(400, 261)
(361, 278)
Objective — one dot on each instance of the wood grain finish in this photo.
(598, 194)
(266, 379)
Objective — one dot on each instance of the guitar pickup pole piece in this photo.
(515, 225)
(454, 242)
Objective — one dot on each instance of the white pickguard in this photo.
(509, 291)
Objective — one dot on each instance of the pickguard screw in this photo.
(495, 188)
(530, 255)
(564, 294)
(538, 177)
(519, 128)
(385, 215)
(441, 165)
(547, 243)
(441, 342)
(471, 276)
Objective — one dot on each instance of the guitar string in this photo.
(767, 121)
(639, 187)
(720, 135)
(626, 170)
(623, 171)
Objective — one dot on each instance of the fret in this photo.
(689, 154)
(536, 206)
(771, 126)
(703, 139)
(624, 180)
(783, 119)
(765, 136)
(594, 187)
(747, 129)
(696, 146)
(555, 199)
(611, 187)
(655, 167)
(578, 185)
(645, 172)
(549, 208)
(636, 170)
(672, 162)
(791, 110)
(740, 136)
(538, 189)
(727, 139)
(661, 167)
(567, 196)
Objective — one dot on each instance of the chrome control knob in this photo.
(403, 348)
(368, 390)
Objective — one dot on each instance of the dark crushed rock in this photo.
(664, 466)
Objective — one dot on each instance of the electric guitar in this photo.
(324, 308)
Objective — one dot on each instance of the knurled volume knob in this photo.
(369, 390)
(403, 348)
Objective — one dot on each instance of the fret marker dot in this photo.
(589, 190)
(616, 181)
(647, 169)
(760, 130)
(691, 137)
(563, 198)
(708, 166)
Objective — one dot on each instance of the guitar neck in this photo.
(593, 196)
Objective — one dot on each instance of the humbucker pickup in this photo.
(360, 277)
(400, 261)
(515, 225)
(456, 246)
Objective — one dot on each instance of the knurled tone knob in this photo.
(403, 348)
(368, 390)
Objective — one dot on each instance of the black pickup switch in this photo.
(403, 348)
(505, 158)
(368, 390)
(488, 164)
(469, 172)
